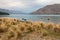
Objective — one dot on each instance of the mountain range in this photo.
(49, 9)
(6, 11)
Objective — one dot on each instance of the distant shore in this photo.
(3, 13)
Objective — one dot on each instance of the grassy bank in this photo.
(11, 28)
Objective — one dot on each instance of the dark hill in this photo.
(3, 13)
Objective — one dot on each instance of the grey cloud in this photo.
(25, 5)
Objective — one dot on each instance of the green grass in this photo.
(52, 33)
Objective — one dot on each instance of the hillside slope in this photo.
(49, 9)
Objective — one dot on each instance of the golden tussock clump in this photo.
(12, 28)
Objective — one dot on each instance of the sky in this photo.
(26, 6)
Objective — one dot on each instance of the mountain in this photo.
(49, 9)
(10, 11)
(3, 12)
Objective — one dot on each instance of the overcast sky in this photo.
(26, 5)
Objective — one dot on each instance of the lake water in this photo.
(45, 18)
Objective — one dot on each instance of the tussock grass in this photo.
(12, 28)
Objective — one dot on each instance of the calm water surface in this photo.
(45, 18)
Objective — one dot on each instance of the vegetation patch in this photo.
(14, 28)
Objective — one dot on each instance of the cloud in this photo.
(26, 5)
(11, 3)
(55, 2)
(42, 1)
(47, 2)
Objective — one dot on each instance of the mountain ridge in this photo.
(49, 9)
